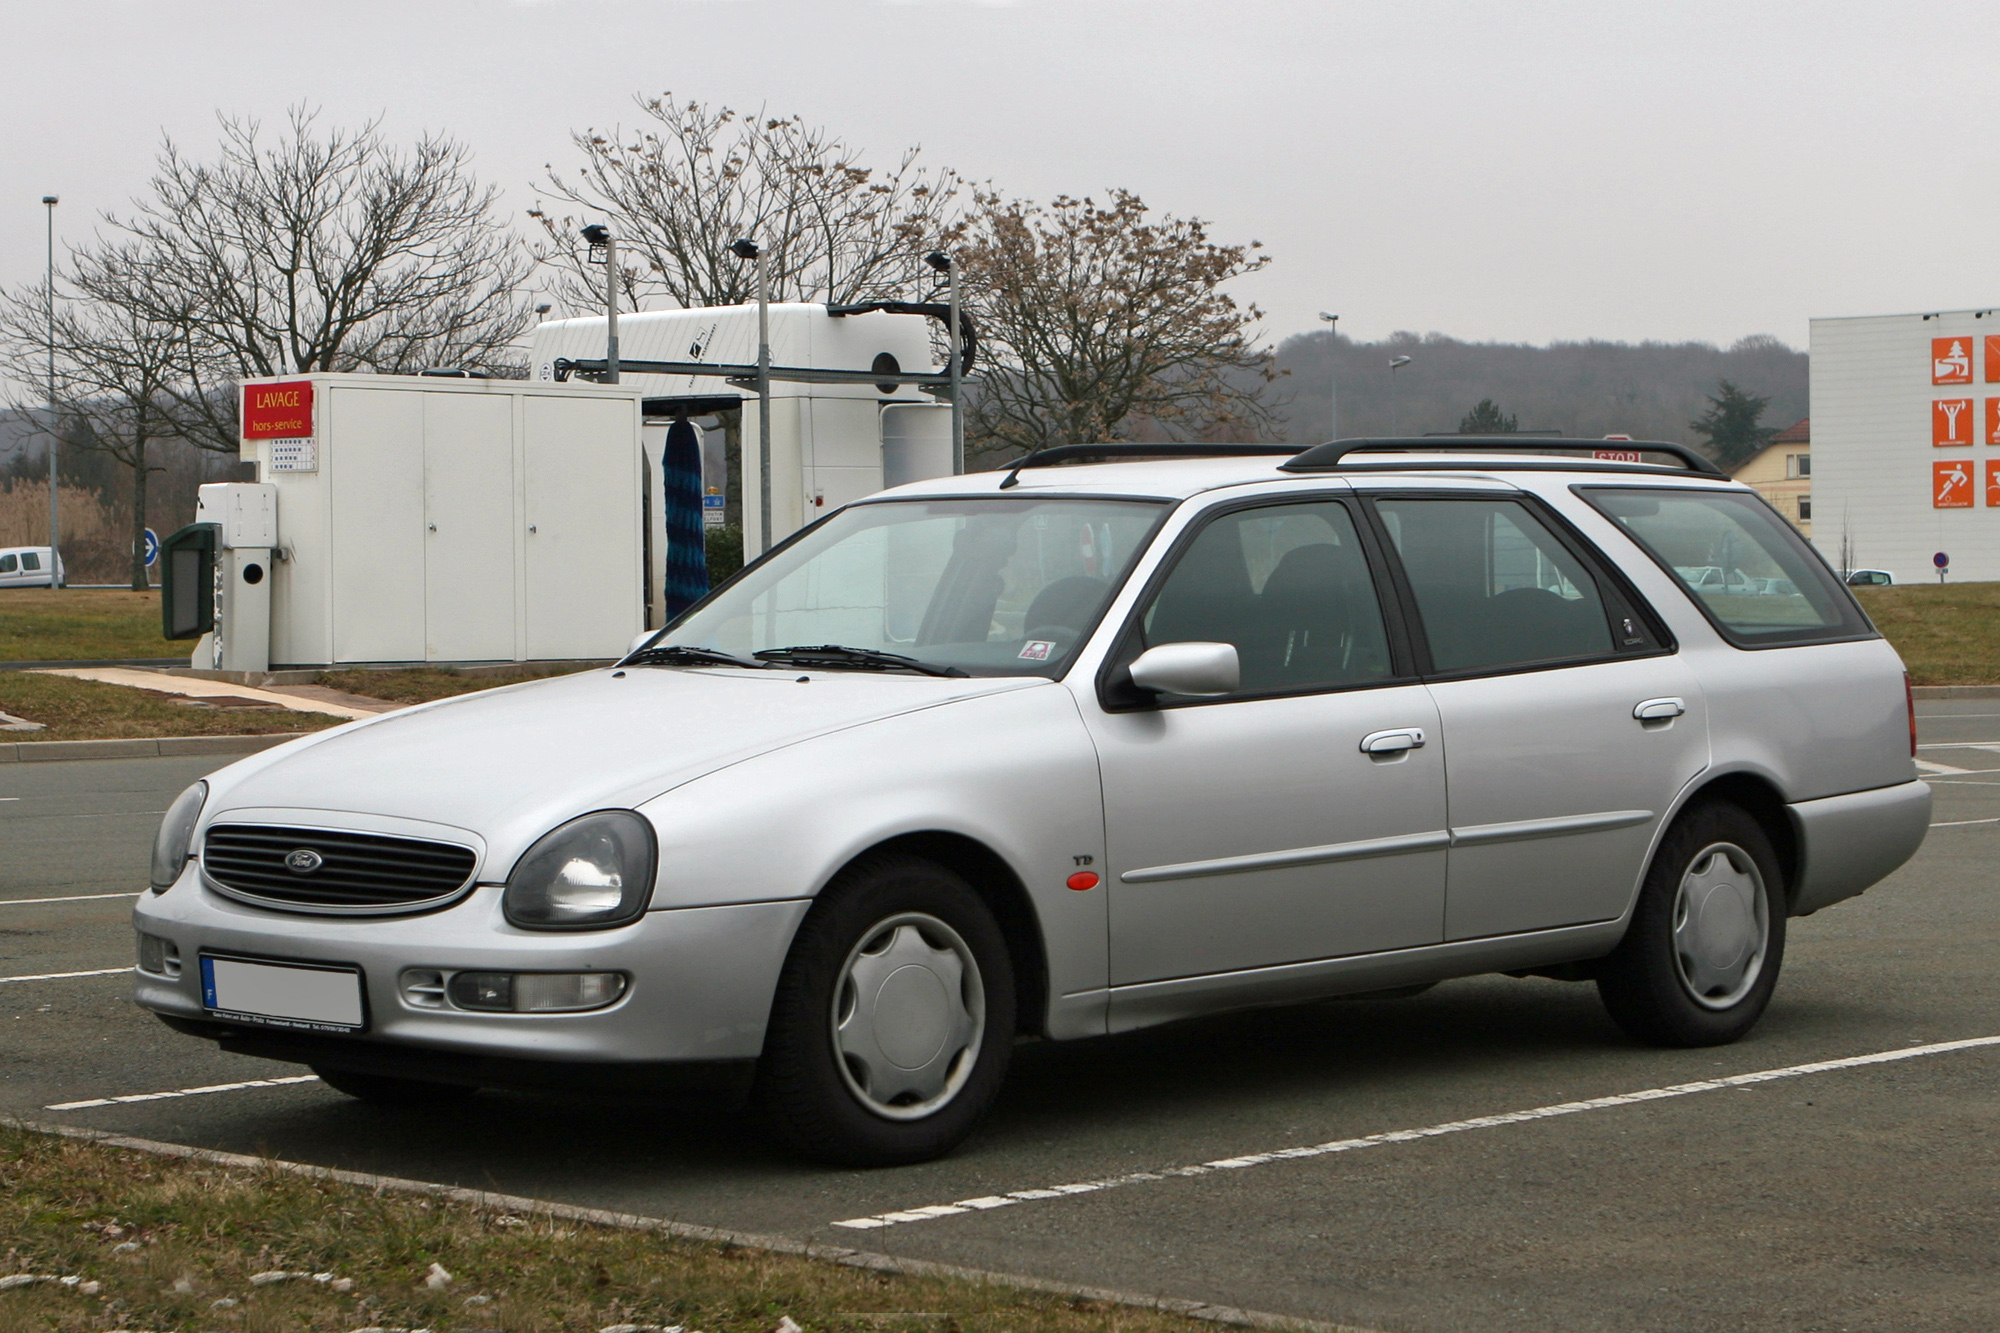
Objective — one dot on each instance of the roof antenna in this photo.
(1013, 478)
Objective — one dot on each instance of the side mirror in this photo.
(1200, 670)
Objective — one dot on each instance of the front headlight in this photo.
(594, 871)
(170, 846)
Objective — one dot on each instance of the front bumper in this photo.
(1850, 842)
(701, 979)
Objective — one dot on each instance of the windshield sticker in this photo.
(1037, 650)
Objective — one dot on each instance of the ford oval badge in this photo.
(304, 861)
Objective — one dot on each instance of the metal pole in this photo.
(763, 404)
(55, 516)
(957, 379)
(611, 308)
(1332, 375)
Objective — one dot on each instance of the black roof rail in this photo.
(1128, 449)
(1326, 457)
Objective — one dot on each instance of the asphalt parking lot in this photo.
(1856, 1196)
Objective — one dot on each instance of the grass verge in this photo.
(82, 625)
(87, 710)
(1948, 634)
(415, 685)
(180, 1245)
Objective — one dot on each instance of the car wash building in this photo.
(1906, 443)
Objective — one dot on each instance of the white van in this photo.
(24, 567)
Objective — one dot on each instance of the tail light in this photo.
(1910, 699)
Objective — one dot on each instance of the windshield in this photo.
(989, 587)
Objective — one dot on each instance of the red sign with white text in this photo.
(1951, 485)
(1951, 422)
(1617, 455)
(1951, 361)
(281, 411)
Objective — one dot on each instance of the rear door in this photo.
(1571, 724)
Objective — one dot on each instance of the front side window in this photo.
(1494, 587)
(29, 560)
(1289, 586)
(987, 587)
(1749, 571)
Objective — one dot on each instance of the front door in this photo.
(1254, 829)
(1541, 669)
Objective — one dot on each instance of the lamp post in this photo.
(941, 261)
(1396, 363)
(49, 294)
(1332, 390)
(600, 238)
(749, 249)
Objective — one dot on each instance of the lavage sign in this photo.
(278, 411)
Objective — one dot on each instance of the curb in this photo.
(1956, 691)
(31, 752)
(514, 1203)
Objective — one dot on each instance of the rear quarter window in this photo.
(1749, 571)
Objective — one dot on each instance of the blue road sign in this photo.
(1941, 560)
(152, 548)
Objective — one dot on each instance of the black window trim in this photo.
(1117, 694)
(1735, 638)
(1614, 591)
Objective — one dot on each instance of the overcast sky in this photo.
(1516, 171)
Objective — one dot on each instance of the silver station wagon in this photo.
(1069, 750)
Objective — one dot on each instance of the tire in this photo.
(893, 1019)
(1701, 957)
(382, 1090)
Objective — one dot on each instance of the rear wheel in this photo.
(893, 1019)
(1701, 957)
(382, 1090)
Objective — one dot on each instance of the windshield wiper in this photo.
(867, 659)
(686, 654)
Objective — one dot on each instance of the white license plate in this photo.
(292, 995)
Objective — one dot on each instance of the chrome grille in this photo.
(349, 872)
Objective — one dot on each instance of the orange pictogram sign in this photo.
(1951, 422)
(1992, 484)
(1993, 420)
(1951, 485)
(1993, 358)
(1951, 361)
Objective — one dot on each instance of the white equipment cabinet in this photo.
(427, 519)
(830, 443)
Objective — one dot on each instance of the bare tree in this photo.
(694, 178)
(118, 373)
(1100, 323)
(319, 251)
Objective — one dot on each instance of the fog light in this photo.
(160, 957)
(534, 992)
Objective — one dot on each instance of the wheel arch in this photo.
(996, 882)
(1759, 797)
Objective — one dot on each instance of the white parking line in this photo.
(1405, 1135)
(1961, 823)
(73, 898)
(183, 1092)
(1928, 767)
(58, 976)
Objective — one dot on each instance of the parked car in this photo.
(1068, 751)
(1870, 578)
(26, 567)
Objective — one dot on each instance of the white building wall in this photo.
(1876, 410)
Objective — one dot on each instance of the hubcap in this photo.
(1721, 926)
(908, 1014)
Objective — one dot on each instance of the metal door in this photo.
(376, 482)
(468, 527)
(584, 563)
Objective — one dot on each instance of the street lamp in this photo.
(50, 201)
(749, 249)
(1332, 391)
(600, 238)
(1396, 363)
(941, 262)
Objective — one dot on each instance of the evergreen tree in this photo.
(1488, 419)
(1730, 425)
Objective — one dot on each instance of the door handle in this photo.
(1658, 710)
(1392, 742)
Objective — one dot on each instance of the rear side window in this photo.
(1494, 587)
(8, 564)
(1751, 574)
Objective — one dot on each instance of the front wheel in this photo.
(893, 1019)
(1701, 957)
